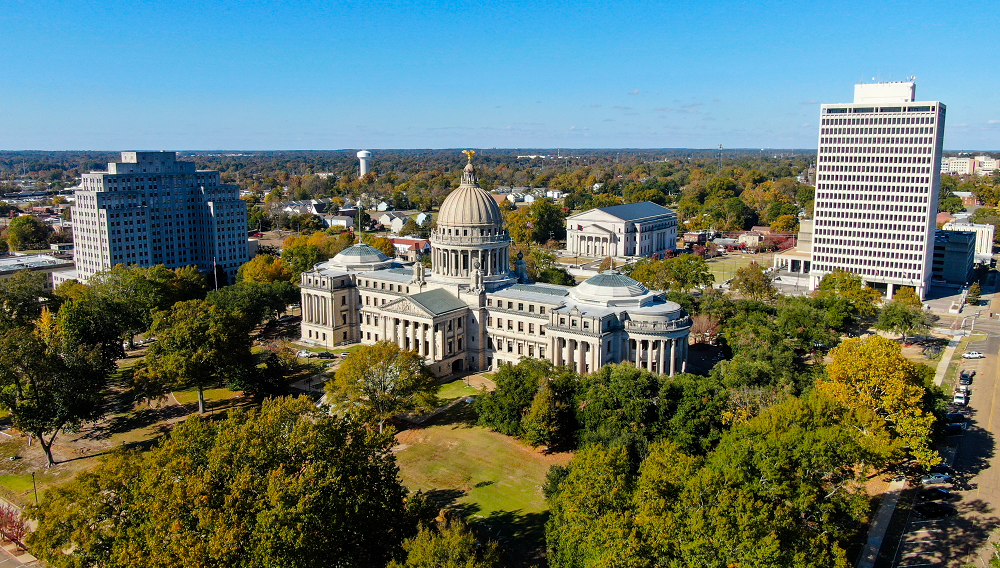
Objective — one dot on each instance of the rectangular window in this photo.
(541, 310)
(520, 326)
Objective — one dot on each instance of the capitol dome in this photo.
(469, 205)
(360, 257)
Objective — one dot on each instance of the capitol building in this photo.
(470, 311)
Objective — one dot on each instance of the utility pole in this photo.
(720, 158)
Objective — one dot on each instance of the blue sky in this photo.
(267, 75)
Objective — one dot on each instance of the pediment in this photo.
(406, 306)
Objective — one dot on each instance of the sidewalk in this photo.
(876, 532)
(945, 361)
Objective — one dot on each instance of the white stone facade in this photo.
(470, 312)
(152, 209)
(635, 229)
(877, 188)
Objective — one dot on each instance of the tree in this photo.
(19, 299)
(385, 245)
(26, 230)
(872, 373)
(198, 345)
(502, 409)
(241, 492)
(681, 273)
(607, 264)
(410, 227)
(253, 303)
(264, 268)
(840, 283)
(975, 292)
(754, 283)
(48, 388)
(785, 224)
(556, 275)
(449, 545)
(907, 296)
(379, 381)
(900, 317)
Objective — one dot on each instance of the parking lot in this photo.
(960, 538)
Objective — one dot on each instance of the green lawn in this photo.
(495, 479)
(455, 389)
(190, 396)
(725, 267)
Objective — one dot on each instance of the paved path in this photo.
(876, 532)
(942, 367)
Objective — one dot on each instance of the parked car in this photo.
(964, 389)
(960, 399)
(286, 317)
(305, 354)
(933, 510)
(325, 355)
(972, 355)
(965, 380)
(344, 354)
(149, 340)
(943, 468)
(936, 494)
(954, 429)
(935, 479)
(967, 373)
(955, 417)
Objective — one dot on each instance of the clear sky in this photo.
(269, 75)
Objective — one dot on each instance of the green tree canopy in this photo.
(46, 386)
(754, 283)
(199, 345)
(379, 381)
(26, 230)
(282, 485)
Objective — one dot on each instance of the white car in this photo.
(305, 354)
(972, 355)
(960, 399)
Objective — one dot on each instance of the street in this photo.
(958, 540)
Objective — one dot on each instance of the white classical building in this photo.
(635, 229)
(470, 311)
(153, 209)
(877, 185)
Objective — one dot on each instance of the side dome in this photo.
(360, 257)
(469, 205)
(610, 284)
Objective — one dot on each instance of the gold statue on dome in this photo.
(470, 154)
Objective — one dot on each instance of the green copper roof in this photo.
(438, 301)
(611, 279)
(361, 249)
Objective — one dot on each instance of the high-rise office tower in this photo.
(153, 209)
(877, 180)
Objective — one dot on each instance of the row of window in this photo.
(510, 306)
(871, 272)
(878, 120)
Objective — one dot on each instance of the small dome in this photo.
(611, 284)
(360, 257)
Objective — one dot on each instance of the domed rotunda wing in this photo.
(360, 257)
(611, 288)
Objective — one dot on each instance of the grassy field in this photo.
(455, 389)
(725, 267)
(495, 479)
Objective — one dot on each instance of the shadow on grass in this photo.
(522, 535)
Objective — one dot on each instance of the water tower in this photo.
(363, 157)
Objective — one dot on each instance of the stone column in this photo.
(673, 356)
(595, 356)
(638, 349)
(661, 363)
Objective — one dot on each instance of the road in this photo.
(959, 540)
